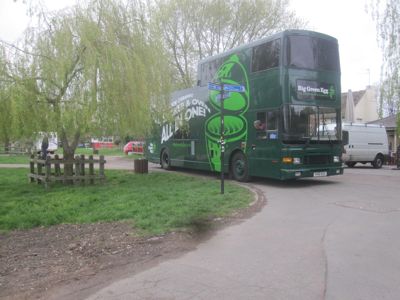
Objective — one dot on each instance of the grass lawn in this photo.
(14, 159)
(24, 159)
(89, 151)
(155, 202)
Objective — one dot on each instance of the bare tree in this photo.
(193, 30)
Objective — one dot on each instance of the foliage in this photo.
(193, 30)
(6, 108)
(386, 13)
(90, 69)
(106, 67)
(147, 200)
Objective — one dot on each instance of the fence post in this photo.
(77, 169)
(82, 168)
(101, 167)
(47, 171)
(57, 169)
(91, 169)
(39, 169)
(32, 167)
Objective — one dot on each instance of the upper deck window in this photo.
(208, 71)
(307, 52)
(266, 56)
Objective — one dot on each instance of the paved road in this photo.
(333, 238)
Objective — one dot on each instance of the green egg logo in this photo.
(235, 105)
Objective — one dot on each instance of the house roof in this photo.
(388, 122)
(357, 95)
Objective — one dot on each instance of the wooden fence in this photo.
(53, 170)
(15, 151)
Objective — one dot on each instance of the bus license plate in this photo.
(320, 174)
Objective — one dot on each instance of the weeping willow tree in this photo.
(386, 13)
(6, 111)
(93, 69)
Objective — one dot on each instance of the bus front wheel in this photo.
(165, 160)
(240, 167)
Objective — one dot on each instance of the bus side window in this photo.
(266, 56)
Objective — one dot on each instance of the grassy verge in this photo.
(155, 202)
(89, 151)
(14, 159)
(24, 159)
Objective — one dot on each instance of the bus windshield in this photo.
(313, 53)
(310, 124)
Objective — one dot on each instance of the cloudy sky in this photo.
(346, 20)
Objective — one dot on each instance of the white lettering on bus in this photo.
(166, 133)
(310, 89)
(195, 111)
(185, 107)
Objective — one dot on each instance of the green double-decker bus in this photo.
(276, 126)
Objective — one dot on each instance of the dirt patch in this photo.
(72, 261)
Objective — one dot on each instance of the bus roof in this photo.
(265, 39)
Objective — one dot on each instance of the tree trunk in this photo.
(6, 145)
(69, 152)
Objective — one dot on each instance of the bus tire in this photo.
(165, 160)
(240, 167)
(378, 161)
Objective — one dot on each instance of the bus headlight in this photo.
(336, 159)
(296, 160)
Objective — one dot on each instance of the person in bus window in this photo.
(259, 125)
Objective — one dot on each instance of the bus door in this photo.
(265, 145)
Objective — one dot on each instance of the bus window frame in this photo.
(263, 116)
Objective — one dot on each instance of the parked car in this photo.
(135, 147)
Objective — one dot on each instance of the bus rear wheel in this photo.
(165, 161)
(240, 167)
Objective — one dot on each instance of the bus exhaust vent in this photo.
(317, 159)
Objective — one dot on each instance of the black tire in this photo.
(165, 160)
(351, 164)
(378, 162)
(240, 167)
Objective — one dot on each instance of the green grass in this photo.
(14, 159)
(155, 202)
(24, 159)
(89, 151)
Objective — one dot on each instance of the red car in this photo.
(135, 147)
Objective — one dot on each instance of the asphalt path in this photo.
(330, 238)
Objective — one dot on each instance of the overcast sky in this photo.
(344, 19)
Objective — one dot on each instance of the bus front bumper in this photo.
(311, 172)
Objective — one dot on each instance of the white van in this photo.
(364, 143)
